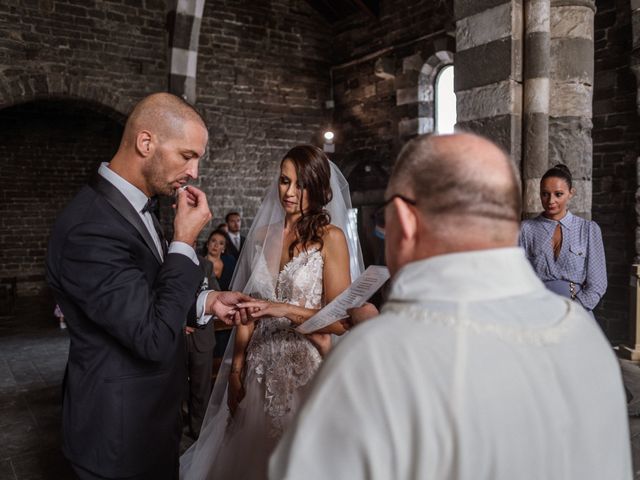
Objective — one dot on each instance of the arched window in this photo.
(445, 101)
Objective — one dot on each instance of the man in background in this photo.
(235, 241)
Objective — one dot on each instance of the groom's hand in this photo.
(224, 305)
(192, 214)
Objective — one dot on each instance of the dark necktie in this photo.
(151, 206)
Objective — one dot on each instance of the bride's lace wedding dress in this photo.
(279, 366)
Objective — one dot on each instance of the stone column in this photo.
(488, 63)
(535, 120)
(633, 351)
(571, 95)
(184, 37)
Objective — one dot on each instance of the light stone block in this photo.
(489, 101)
(413, 62)
(570, 99)
(385, 68)
(484, 27)
(531, 195)
(537, 16)
(405, 96)
(184, 62)
(635, 5)
(192, 8)
(572, 22)
(536, 95)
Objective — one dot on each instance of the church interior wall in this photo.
(265, 72)
(616, 146)
(262, 83)
(49, 150)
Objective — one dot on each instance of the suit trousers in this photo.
(200, 366)
(165, 470)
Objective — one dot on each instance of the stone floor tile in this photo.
(44, 465)
(6, 376)
(6, 470)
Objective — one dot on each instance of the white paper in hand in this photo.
(358, 292)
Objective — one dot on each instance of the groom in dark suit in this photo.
(126, 294)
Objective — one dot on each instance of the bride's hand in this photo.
(235, 392)
(263, 308)
(322, 341)
(225, 306)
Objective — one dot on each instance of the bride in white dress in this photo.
(301, 252)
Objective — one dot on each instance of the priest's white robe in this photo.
(474, 371)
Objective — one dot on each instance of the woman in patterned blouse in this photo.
(566, 251)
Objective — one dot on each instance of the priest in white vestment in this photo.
(474, 370)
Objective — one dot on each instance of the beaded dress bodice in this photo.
(284, 360)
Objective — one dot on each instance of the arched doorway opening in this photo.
(48, 150)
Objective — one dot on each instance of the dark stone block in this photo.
(500, 129)
(572, 59)
(483, 65)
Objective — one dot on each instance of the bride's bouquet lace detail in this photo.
(284, 360)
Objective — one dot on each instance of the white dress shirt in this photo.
(138, 201)
(235, 239)
(474, 371)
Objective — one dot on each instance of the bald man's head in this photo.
(163, 141)
(460, 181)
(164, 114)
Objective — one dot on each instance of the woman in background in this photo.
(223, 265)
(566, 251)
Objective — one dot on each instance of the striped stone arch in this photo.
(184, 35)
(26, 87)
(419, 98)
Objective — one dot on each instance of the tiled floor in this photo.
(33, 354)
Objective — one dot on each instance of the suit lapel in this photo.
(121, 205)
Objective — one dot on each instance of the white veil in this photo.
(256, 274)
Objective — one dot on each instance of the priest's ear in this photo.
(401, 234)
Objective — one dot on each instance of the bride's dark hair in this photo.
(314, 174)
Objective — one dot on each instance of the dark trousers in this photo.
(165, 470)
(200, 368)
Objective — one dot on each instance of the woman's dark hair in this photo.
(314, 173)
(559, 171)
(205, 247)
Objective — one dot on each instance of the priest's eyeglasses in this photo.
(378, 213)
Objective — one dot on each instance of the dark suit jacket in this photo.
(231, 248)
(203, 339)
(125, 310)
(229, 265)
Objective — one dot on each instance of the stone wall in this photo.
(109, 52)
(263, 78)
(616, 146)
(376, 81)
(47, 152)
(489, 75)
